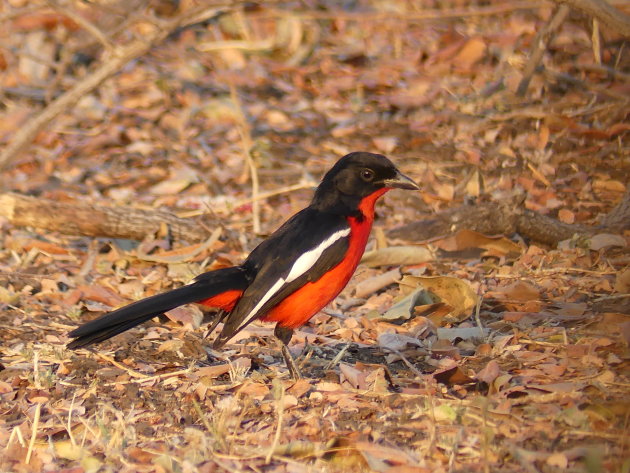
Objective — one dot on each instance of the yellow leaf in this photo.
(68, 450)
(8, 297)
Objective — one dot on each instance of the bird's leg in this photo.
(216, 319)
(284, 334)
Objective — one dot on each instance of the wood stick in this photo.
(609, 16)
(80, 218)
(493, 218)
(540, 46)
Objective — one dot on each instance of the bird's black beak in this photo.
(400, 181)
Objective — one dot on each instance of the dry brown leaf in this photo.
(445, 191)
(622, 282)
(566, 216)
(397, 341)
(404, 308)
(473, 186)
(455, 292)
(344, 456)
(46, 247)
(299, 388)
(43, 19)
(520, 291)
(100, 294)
(489, 372)
(608, 185)
(170, 345)
(397, 255)
(218, 370)
(385, 144)
(452, 375)
(351, 376)
(179, 180)
(183, 254)
(465, 239)
(376, 283)
(473, 51)
(606, 240)
(189, 316)
(139, 455)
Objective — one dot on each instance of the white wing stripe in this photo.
(308, 259)
(305, 262)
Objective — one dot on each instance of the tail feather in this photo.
(120, 320)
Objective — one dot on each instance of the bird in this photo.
(288, 277)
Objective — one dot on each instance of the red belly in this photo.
(299, 307)
(226, 300)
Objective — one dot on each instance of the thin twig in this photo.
(69, 425)
(15, 432)
(435, 14)
(147, 379)
(280, 409)
(611, 297)
(415, 370)
(246, 140)
(18, 12)
(595, 39)
(31, 444)
(202, 416)
(133, 373)
(335, 361)
(283, 190)
(540, 46)
(86, 24)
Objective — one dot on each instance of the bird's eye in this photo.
(367, 175)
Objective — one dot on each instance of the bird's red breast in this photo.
(295, 310)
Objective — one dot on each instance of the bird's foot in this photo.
(291, 364)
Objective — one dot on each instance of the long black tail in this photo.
(203, 287)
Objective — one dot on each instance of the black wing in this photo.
(302, 250)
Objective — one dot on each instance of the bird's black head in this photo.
(358, 175)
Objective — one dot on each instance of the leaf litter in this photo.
(511, 357)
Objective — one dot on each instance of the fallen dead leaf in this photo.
(397, 341)
(215, 371)
(376, 283)
(606, 240)
(473, 50)
(385, 144)
(8, 297)
(404, 308)
(170, 345)
(68, 450)
(465, 239)
(622, 282)
(463, 333)
(489, 372)
(558, 460)
(520, 291)
(455, 292)
(566, 216)
(189, 316)
(397, 255)
(452, 375)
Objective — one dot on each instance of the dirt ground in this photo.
(464, 353)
